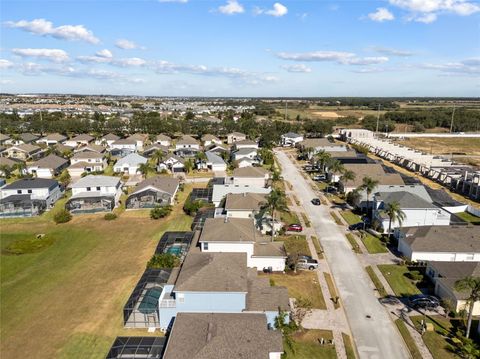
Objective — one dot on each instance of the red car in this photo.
(295, 228)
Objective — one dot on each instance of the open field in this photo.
(395, 276)
(465, 150)
(66, 300)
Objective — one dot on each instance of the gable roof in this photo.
(318, 142)
(137, 137)
(213, 272)
(83, 137)
(228, 230)
(31, 183)
(246, 142)
(406, 200)
(222, 335)
(374, 171)
(165, 184)
(51, 161)
(110, 137)
(237, 134)
(132, 159)
(5, 161)
(244, 201)
(255, 172)
(96, 181)
(245, 151)
(87, 154)
(162, 137)
(187, 140)
(91, 147)
(214, 158)
(125, 141)
(28, 137)
(55, 137)
(209, 137)
(27, 147)
(291, 135)
(4, 137)
(443, 238)
(262, 296)
(450, 272)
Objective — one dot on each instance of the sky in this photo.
(241, 48)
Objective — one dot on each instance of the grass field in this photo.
(373, 244)
(469, 218)
(353, 243)
(350, 217)
(349, 349)
(332, 290)
(395, 276)
(303, 285)
(66, 300)
(376, 282)
(306, 345)
(407, 338)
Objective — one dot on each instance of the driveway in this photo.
(375, 335)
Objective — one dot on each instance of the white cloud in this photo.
(43, 27)
(297, 68)
(278, 10)
(232, 7)
(464, 67)
(343, 58)
(104, 53)
(366, 60)
(392, 52)
(178, 1)
(5, 64)
(55, 55)
(127, 44)
(382, 14)
(6, 82)
(129, 62)
(94, 59)
(427, 11)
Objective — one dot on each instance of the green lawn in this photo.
(318, 247)
(376, 282)
(353, 243)
(469, 218)
(289, 218)
(350, 217)
(336, 219)
(67, 297)
(331, 288)
(295, 244)
(436, 341)
(373, 244)
(407, 338)
(395, 276)
(306, 346)
(349, 349)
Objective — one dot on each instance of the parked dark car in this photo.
(331, 189)
(423, 301)
(295, 228)
(316, 202)
(319, 178)
(356, 226)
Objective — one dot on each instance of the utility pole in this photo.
(453, 114)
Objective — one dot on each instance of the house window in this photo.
(181, 298)
(98, 188)
(469, 257)
(89, 189)
(29, 191)
(205, 246)
(19, 191)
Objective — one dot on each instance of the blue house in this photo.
(219, 283)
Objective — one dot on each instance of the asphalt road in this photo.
(375, 334)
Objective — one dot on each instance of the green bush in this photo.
(191, 207)
(414, 275)
(110, 216)
(62, 216)
(160, 212)
(164, 260)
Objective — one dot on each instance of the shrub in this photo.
(191, 207)
(110, 216)
(62, 216)
(414, 275)
(160, 212)
(164, 260)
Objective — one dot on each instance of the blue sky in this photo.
(241, 48)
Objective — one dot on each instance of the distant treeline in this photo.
(268, 132)
(421, 119)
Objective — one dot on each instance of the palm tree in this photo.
(395, 214)
(275, 201)
(188, 165)
(323, 157)
(6, 170)
(335, 166)
(347, 176)
(472, 285)
(158, 156)
(144, 168)
(276, 177)
(368, 185)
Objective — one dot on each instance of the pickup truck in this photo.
(307, 263)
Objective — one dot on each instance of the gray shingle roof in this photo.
(407, 200)
(228, 230)
(214, 158)
(96, 181)
(31, 183)
(213, 272)
(249, 172)
(443, 238)
(51, 161)
(133, 159)
(244, 201)
(453, 271)
(165, 184)
(264, 297)
(222, 336)
(187, 140)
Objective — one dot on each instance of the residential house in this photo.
(219, 283)
(173, 163)
(290, 139)
(123, 147)
(214, 162)
(80, 140)
(86, 161)
(245, 144)
(208, 140)
(218, 149)
(418, 212)
(4, 138)
(90, 148)
(187, 142)
(139, 139)
(29, 197)
(223, 335)
(317, 145)
(373, 170)
(21, 139)
(357, 133)
(246, 162)
(23, 152)
(440, 243)
(244, 205)
(445, 274)
(250, 153)
(220, 190)
(240, 235)
(107, 140)
(235, 137)
(153, 148)
(129, 164)
(7, 165)
(52, 139)
(163, 140)
(251, 176)
(48, 167)
(92, 194)
(153, 192)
